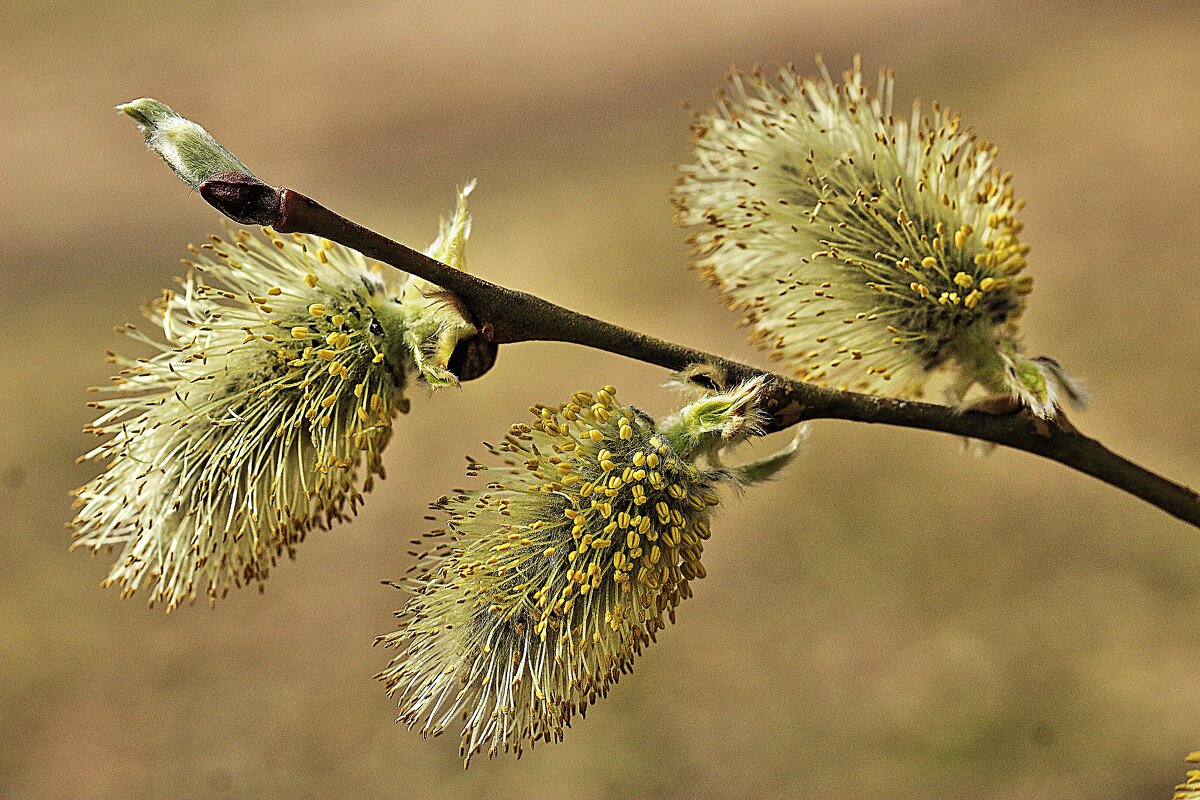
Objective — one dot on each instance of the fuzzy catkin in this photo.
(277, 367)
(553, 577)
(870, 252)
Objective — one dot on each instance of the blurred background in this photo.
(893, 619)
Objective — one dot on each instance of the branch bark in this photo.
(504, 315)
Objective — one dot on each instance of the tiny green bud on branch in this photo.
(188, 149)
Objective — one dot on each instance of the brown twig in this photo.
(504, 315)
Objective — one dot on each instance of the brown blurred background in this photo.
(892, 619)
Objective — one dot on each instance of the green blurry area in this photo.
(892, 619)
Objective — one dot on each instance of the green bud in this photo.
(716, 421)
(188, 149)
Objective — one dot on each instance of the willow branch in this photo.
(504, 315)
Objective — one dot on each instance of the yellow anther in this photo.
(311, 280)
(964, 280)
(327, 355)
(987, 283)
(929, 262)
(317, 309)
(274, 291)
(299, 333)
